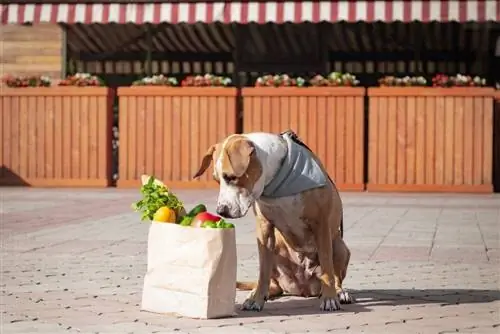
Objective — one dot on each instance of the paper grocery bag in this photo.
(191, 271)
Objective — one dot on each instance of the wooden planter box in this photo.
(58, 136)
(165, 132)
(329, 120)
(430, 139)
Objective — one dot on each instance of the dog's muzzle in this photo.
(224, 211)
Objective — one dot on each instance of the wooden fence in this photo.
(329, 120)
(430, 139)
(58, 136)
(166, 131)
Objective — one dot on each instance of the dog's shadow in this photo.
(368, 300)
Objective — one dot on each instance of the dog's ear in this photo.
(205, 162)
(239, 154)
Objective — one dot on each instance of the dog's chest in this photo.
(286, 214)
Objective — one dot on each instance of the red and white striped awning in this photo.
(259, 12)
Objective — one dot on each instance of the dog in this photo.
(301, 250)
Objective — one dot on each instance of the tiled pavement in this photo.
(73, 261)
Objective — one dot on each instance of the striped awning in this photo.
(259, 12)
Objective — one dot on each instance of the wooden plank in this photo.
(198, 149)
(16, 135)
(401, 140)
(322, 131)
(331, 138)
(339, 129)
(274, 111)
(440, 134)
(359, 124)
(420, 141)
(392, 137)
(468, 144)
(94, 123)
(75, 137)
(459, 140)
(303, 127)
(312, 124)
(431, 109)
(149, 134)
(185, 141)
(66, 137)
(383, 162)
(449, 142)
(84, 138)
(478, 141)
(31, 126)
(23, 137)
(204, 135)
(140, 128)
(487, 140)
(410, 153)
(373, 141)
(41, 149)
(103, 139)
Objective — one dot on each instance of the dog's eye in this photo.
(229, 178)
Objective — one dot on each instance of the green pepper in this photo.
(229, 225)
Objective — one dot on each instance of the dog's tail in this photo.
(246, 286)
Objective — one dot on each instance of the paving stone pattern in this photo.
(73, 262)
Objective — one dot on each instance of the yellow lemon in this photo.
(164, 215)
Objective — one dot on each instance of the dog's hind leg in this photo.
(341, 257)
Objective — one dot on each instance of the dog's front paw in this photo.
(345, 297)
(253, 305)
(329, 304)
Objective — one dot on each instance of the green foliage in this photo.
(154, 196)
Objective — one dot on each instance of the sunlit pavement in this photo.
(73, 261)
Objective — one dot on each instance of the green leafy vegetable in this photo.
(154, 196)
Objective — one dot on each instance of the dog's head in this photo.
(238, 172)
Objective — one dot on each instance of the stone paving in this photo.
(73, 262)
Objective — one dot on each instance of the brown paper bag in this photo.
(191, 271)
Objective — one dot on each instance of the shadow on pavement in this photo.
(368, 300)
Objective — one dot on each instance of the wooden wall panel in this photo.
(56, 136)
(31, 50)
(165, 132)
(329, 120)
(430, 139)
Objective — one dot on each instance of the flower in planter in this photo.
(279, 80)
(460, 80)
(207, 80)
(81, 80)
(407, 81)
(334, 79)
(26, 81)
(156, 80)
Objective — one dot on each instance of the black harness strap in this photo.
(296, 139)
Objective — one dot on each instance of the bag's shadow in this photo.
(368, 300)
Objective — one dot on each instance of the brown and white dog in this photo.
(301, 251)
